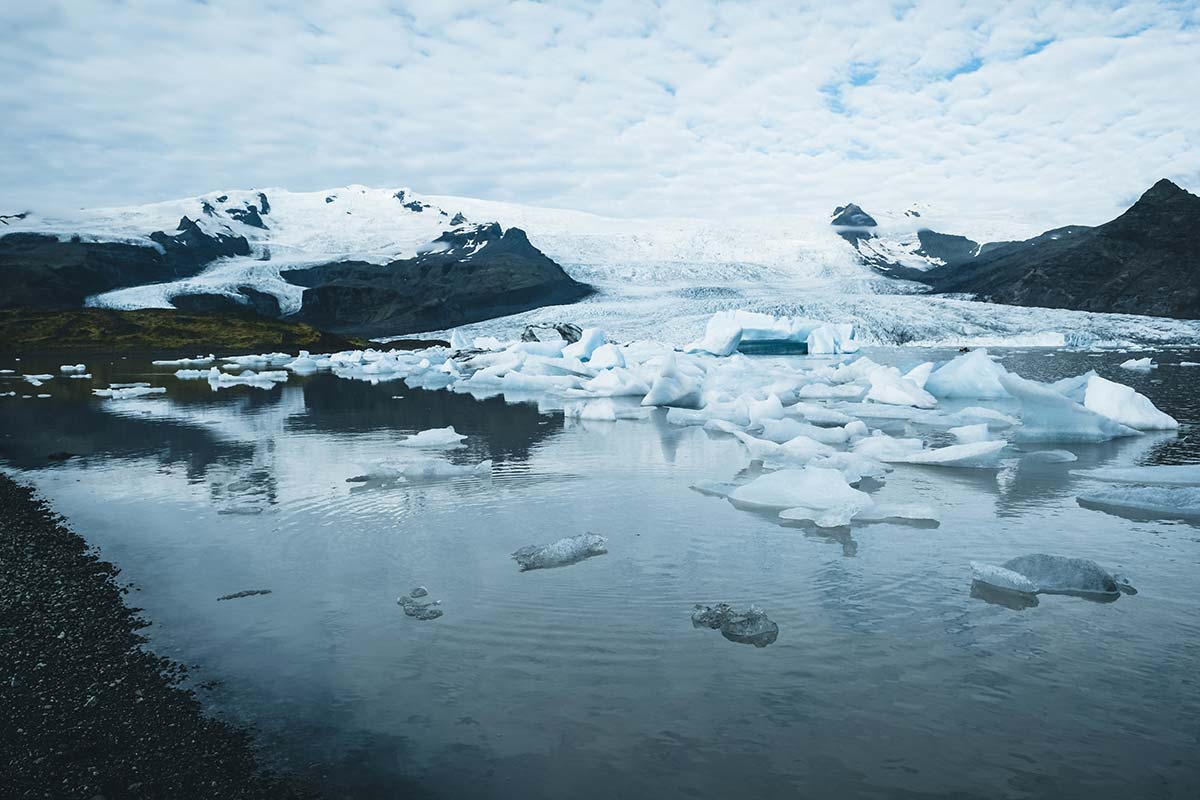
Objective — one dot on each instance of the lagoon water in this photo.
(890, 676)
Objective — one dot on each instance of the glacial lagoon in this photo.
(892, 674)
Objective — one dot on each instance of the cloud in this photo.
(1049, 113)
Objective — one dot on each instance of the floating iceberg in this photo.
(1169, 502)
(894, 389)
(589, 340)
(980, 455)
(967, 434)
(882, 447)
(129, 392)
(1122, 404)
(440, 438)
(1049, 416)
(1050, 456)
(562, 552)
(822, 495)
(973, 375)
(68, 368)
(1166, 475)
(1046, 574)
(423, 469)
(1139, 364)
(799, 450)
(675, 385)
(882, 512)
(198, 361)
(751, 626)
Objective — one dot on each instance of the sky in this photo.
(1054, 113)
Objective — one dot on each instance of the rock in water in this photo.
(751, 626)
(558, 332)
(562, 552)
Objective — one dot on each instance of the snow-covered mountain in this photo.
(650, 275)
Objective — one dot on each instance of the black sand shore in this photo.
(85, 712)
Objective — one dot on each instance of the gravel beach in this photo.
(85, 711)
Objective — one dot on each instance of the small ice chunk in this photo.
(439, 438)
(824, 391)
(893, 389)
(1050, 456)
(882, 447)
(1169, 502)
(419, 611)
(966, 434)
(1139, 364)
(973, 374)
(751, 626)
(1166, 475)
(128, 393)
(881, 512)
(798, 450)
(561, 553)
(73, 368)
(1002, 578)
(979, 455)
(607, 356)
(589, 340)
(1122, 404)
(1063, 575)
(198, 361)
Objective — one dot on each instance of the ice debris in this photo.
(1047, 415)
(973, 375)
(1165, 475)
(561, 553)
(1139, 364)
(418, 610)
(116, 392)
(1167, 502)
(751, 626)
(437, 438)
(1048, 574)
(69, 368)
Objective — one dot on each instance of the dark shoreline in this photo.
(85, 711)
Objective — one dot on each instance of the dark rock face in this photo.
(466, 276)
(1146, 261)
(946, 247)
(252, 301)
(853, 216)
(40, 271)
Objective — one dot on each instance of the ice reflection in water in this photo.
(892, 676)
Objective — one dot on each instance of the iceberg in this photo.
(1050, 416)
(606, 356)
(894, 389)
(1047, 574)
(423, 469)
(675, 385)
(973, 375)
(978, 455)
(198, 361)
(561, 553)
(882, 447)
(966, 434)
(440, 438)
(1122, 404)
(1166, 475)
(1050, 457)
(799, 450)
(727, 330)
(823, 492)
(128, 393)
(69, 368)
(882, 512)
(751, 626)
(589, 340)
(1169, 502)
(1139, 364)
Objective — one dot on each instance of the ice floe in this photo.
(1048, 574)
(973, 375)
(561, 553)
(69, 368)
(1139, 364)
(116, 392)
(1047, 415)
(751, 626)
(979, 455)
(1168, 502)
(1122, 404)
(435, 438)
(1165, 475)
(423, 470)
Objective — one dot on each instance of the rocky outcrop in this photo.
(465, 275)
(45, 272)
(1146, 261)
(852, 215)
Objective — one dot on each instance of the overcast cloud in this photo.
(1060, 113)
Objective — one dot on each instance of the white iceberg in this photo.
(589, 340)
(894, 389)
(424, 469)
(562, 552)
(1139, 364)
(1165, 475)
(1121, 403)
(675, 385)
(882, 447)
(69, 368)
(972, 375)
(980, 455)
(882, 512)
(1049, 416)
(966, 434)
(129, 392)
(1171, 502)
(822, 491)
(439, 438)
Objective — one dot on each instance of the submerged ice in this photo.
(560, 553)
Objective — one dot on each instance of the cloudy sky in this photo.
(1062, 113)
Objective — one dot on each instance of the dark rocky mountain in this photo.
(852, 216)
(40, 271)
(1146, 261)
(466, 275)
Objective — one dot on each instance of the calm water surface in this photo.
(888, 678)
